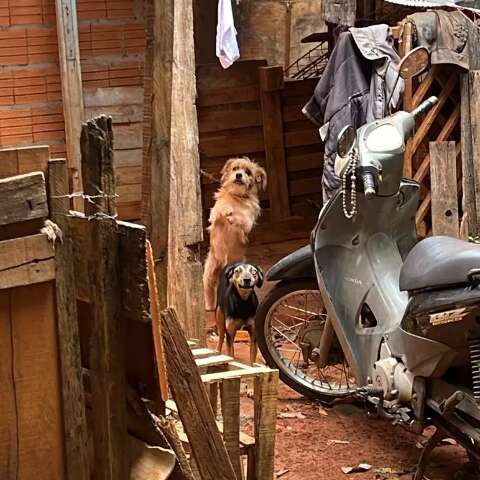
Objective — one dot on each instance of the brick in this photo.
(20, 130)
(43, 119)
(11, 51)
(95, 76)
(113, 36)
(106, 28)
(126, 82)
(25, 99)
(89, 15)
(33, 71)
(29, 81)
(96, 83)
(13, 42)
(4, 21)
(31, 90)
(6, 92)
(6, 83)
(106, 51)
(90, 6)
(15, 140)
(14, 60)
(26, 19)
(124, 72)
(48, 127)
(54, 135)
(25, 11)
(53, 96)
(14, 122)
(54, 87)
(43, 48)
(43, 57)
(9, 34)
(6, 115)
(7, 100)
(47, 110)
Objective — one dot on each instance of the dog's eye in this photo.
(248, 172)
(235, 169)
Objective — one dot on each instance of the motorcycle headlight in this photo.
(385, 138)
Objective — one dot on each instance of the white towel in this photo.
(227, 47)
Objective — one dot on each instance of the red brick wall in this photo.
(112, 45)
(30, 90)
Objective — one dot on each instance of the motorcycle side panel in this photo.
(358, 262)
(298, 264)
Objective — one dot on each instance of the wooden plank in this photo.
(443, 174)
(230, 395)
(213, 361)
(38, 448)
(271, 82)
(474, 94)
(107, 354)
(203, 352)
(25, 261)
(22, 198)
(104, 97)
(194, 407)
(119, 113)
(405, 46)
(244, 373)
(9, 441)
(265, 417)
(157, 326)
(72, 89)
(73, 399)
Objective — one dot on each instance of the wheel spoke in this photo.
(297, 317)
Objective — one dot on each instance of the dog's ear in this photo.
(229, 272)
(226, 169)
(261, 177)
(260, 276)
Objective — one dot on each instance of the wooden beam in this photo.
(271, 85)
(72, 90)
(22, 198)
(96, 144)
(443, 180)
(15, 161)
(25, 261)
(107, 354)
(474, 95)
(173, 182)
(230, 395)
(194, 408)
(74, 417)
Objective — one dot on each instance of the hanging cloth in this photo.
(227, 47)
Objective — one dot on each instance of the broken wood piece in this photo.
(194, 408)
(22, 198)
(26, 260)
(149, 462)
(213, 361)
(156, 325)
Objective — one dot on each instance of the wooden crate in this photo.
(252, 457)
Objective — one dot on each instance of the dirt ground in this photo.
(318, 442)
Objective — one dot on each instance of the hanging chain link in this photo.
(351, 169)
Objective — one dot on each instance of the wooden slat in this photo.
(444, 134)
(72, 89)
(231, 116)
(222, 96)
(104, 97)
(73, 399)
(443, 173)
(212, 361)
(194, 408)
(22, 198)
(244, 373)
(271, 83)
(203, 352)
(16, 161)
(474, 94)
(230, 395)
(265, 397)
(424, 87)
(25, 261)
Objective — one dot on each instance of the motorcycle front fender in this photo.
(299, 264)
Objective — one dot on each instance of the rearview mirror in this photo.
(414, 63)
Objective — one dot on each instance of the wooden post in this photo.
(74, 419)
(443, 175)
(469, 88)
(97, 165)
(265, 394)
(406, 46)
(72, 91)
(172, 168)
(271, 84)
(194, 408)
(230, 395)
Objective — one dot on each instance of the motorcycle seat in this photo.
(439, 262)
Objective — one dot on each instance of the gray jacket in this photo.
(354, 89)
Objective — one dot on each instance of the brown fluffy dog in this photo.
(232, 218)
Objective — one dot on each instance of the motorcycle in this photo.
(366, 311)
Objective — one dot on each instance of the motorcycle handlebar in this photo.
(424, 107)
(368, 185)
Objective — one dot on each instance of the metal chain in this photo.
(351, 169)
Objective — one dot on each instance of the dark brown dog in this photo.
(237, 304)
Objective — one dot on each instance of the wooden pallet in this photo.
(252, 457)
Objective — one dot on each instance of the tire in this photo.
(280, 290)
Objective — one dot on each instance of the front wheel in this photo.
(289, 325)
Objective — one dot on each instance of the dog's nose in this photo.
(247, 281)
(238, 176)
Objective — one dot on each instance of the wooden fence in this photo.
(250, 110)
